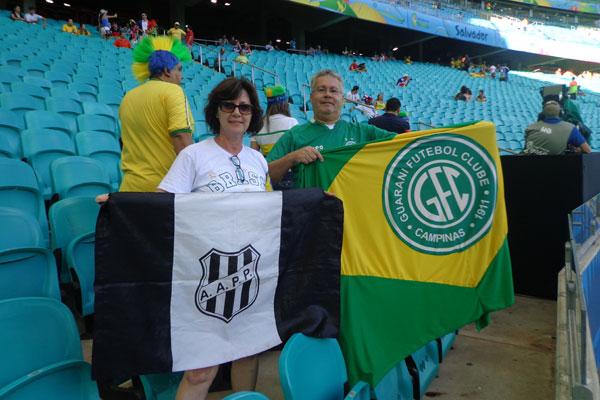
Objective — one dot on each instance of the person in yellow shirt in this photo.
(156, 120)
(69, 27)
(82, 31)
(176, 32)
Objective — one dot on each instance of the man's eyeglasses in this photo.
(229, 107)
(322, 90)
(239, 172)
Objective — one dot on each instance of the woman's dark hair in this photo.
(281, 107)
(229, 89)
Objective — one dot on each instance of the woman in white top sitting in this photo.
(222, 164)
(277, 122)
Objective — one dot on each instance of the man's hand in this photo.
(305, 155)
(102, 198)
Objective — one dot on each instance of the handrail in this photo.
(253, 67)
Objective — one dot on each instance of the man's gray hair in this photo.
(326, 72)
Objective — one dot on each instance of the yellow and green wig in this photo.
(155, 53)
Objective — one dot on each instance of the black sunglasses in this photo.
(228, 107)
(239, 172)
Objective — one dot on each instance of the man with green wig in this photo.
(156, 120)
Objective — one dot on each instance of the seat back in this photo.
(396, 384)
(28, 272)
(104, 148)
(10, 127)
(79, 176)
(424, 365)
(30, 89)
(20, 103)
(19, 230)
(246, 396)
(36, 332)
(68, 108)
(19, 190)
(311, 368)
(100, 123)
(81, 263)
(47, 120)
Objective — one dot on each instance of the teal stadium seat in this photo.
(65, 93)
(47, 120)
(10, 72)
(10, 128)
(104, 148)
(40, 148)
(6, 78)
(161, 386)
(19, 230)
(40, 82)
(86, 92)
(445, 343)
(30, 89)
(424, 366)
(111, 99)
(77, 176)
(98, 123)
(20, 103)
(73, 224)
(86, 80)
(19, 190)
(312, 368)
(396, 384)
(68, 108)
(42, 356)
(58, 78)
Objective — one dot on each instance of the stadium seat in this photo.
(246, 396)
(6, 78)
(65, 93)
(99, 123)
(396, 384)
(40, 82)
(73, 224)
(58, 79)
(78, 176)
(40, 148)
(424, 365)
(160, 386)
(47, 120)
(42, 355)
(16, 74)
(103, 147)
(113, 100)
(34, 68)
(30, 89)
(20, 103)
(19, 230)
(445, 344)
(68, 108)
(312, 368)
(86, 92)
(19, 190)
(10, 127)
(86, 80)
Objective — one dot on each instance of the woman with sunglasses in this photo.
(222, 164)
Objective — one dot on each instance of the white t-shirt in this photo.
(32, 17)
(492, 69)
(353, 96)
(207, 167)
(279, 124)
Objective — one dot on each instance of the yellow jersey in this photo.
(69, 28)
(151, 114)
(177, 33)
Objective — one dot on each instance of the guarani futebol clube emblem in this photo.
(439, 193)
(229, 283)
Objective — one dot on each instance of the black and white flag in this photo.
(195, 280)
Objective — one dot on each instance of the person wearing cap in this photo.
(391, 120)
(156, 119)
(553, 136)
(304, 143)
(104, 23)
(176, 32)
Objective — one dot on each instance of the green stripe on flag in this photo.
(376, 334)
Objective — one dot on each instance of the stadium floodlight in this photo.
(278, 40)
(227, 4)
(50, 1)
(66, 5)
(395, 49)
(213, 1)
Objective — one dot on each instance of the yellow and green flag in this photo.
(424, 249)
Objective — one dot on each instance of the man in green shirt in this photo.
(304, 143)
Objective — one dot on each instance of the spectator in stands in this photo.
(247, 49)
(82, 31)
(552, 136)
(222, 164)
(407, 60)
(391, 120)
(573, 87)
(115, 30)
(481, 96)
(354, 66)
(277, 122)
(33, 18)
(404, 81)
(104, 23)
(176, 32)
(189, 37)
(143, 24)
(504, 70)
(362, 67)
(345, 52)
(269, 46)
(69, 27)
(464, 94)
(134, 31)
(492, 70)
(380, 102)
(155, 117)
(122, 42)
(303, 143)
(237, 47)
(16, 14)
(293, 44)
